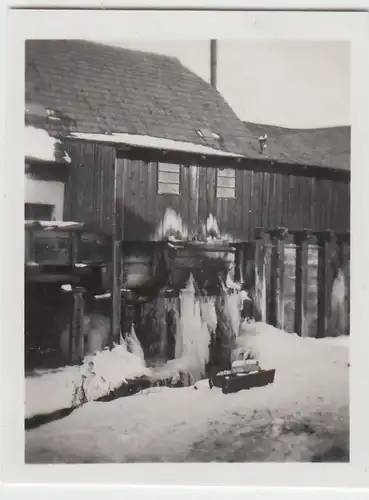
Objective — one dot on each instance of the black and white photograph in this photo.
(187, 251)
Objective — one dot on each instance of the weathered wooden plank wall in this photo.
(89, 188)
(263, 198)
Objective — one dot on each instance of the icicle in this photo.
(161, 326)
(212, 228)
(338, 315)
(260, 293)
(232, 311)
(193, 337)
(172, 227)
(208, 312)
(134, 345)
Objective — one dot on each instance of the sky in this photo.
(297, 84)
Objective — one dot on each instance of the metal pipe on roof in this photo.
(213, 63)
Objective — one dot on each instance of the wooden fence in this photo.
(298, 279)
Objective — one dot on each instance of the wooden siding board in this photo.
(194, 197)
(266, 222)
(252, 210)
(275, 203)
(83, 203)
(257, 196)
(245, 205)
(238, 205)
(272, 215)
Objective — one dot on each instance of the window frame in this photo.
(228, 181)
(172, 172)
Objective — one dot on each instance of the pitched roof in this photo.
(325, 147)
(96, 88)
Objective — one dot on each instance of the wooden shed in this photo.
(145, 134)
(173, 141)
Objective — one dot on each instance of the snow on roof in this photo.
(39, 145)
(147, 141)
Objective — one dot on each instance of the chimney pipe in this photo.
(213, 63)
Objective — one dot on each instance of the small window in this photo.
(168, 178)
(226, 183)
(38, 211)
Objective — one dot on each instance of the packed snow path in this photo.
(303, 416)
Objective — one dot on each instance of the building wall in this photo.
(48, 192)
(89, 187)
(262, 198)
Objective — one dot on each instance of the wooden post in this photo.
(347, 279)
(117, 264)
(324, 282)
(260, 289)
(277, 278)
(74, 248)
(301, 281)
(238, 262)
(116, 295)
(248, 266)
(30, 245)
(76, 339)
(343, 241)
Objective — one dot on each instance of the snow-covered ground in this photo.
(301, 417)
(48, 391)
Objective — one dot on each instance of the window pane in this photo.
(38, 211)
(168, 167)
(165, 188)
(226, 182)
(225, 192)
(169, 177)
(226, 172)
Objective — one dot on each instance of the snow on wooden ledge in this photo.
(39, 145)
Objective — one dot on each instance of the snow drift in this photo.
(301, 416)
(48, 391)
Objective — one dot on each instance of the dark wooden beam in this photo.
(301, 282)
(76, 329)
(277, 278)
(116, 306)
(324, 282)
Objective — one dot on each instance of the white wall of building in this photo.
(46, 192)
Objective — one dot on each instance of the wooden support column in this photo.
(117, 263)
(116, 295)
(238, 262)
(248, 266)
(76, 340)
(347, 254)
(277, 278)
(343, 241)
(75, 240)
(301, 281)
(260, 288)
(324, 282)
